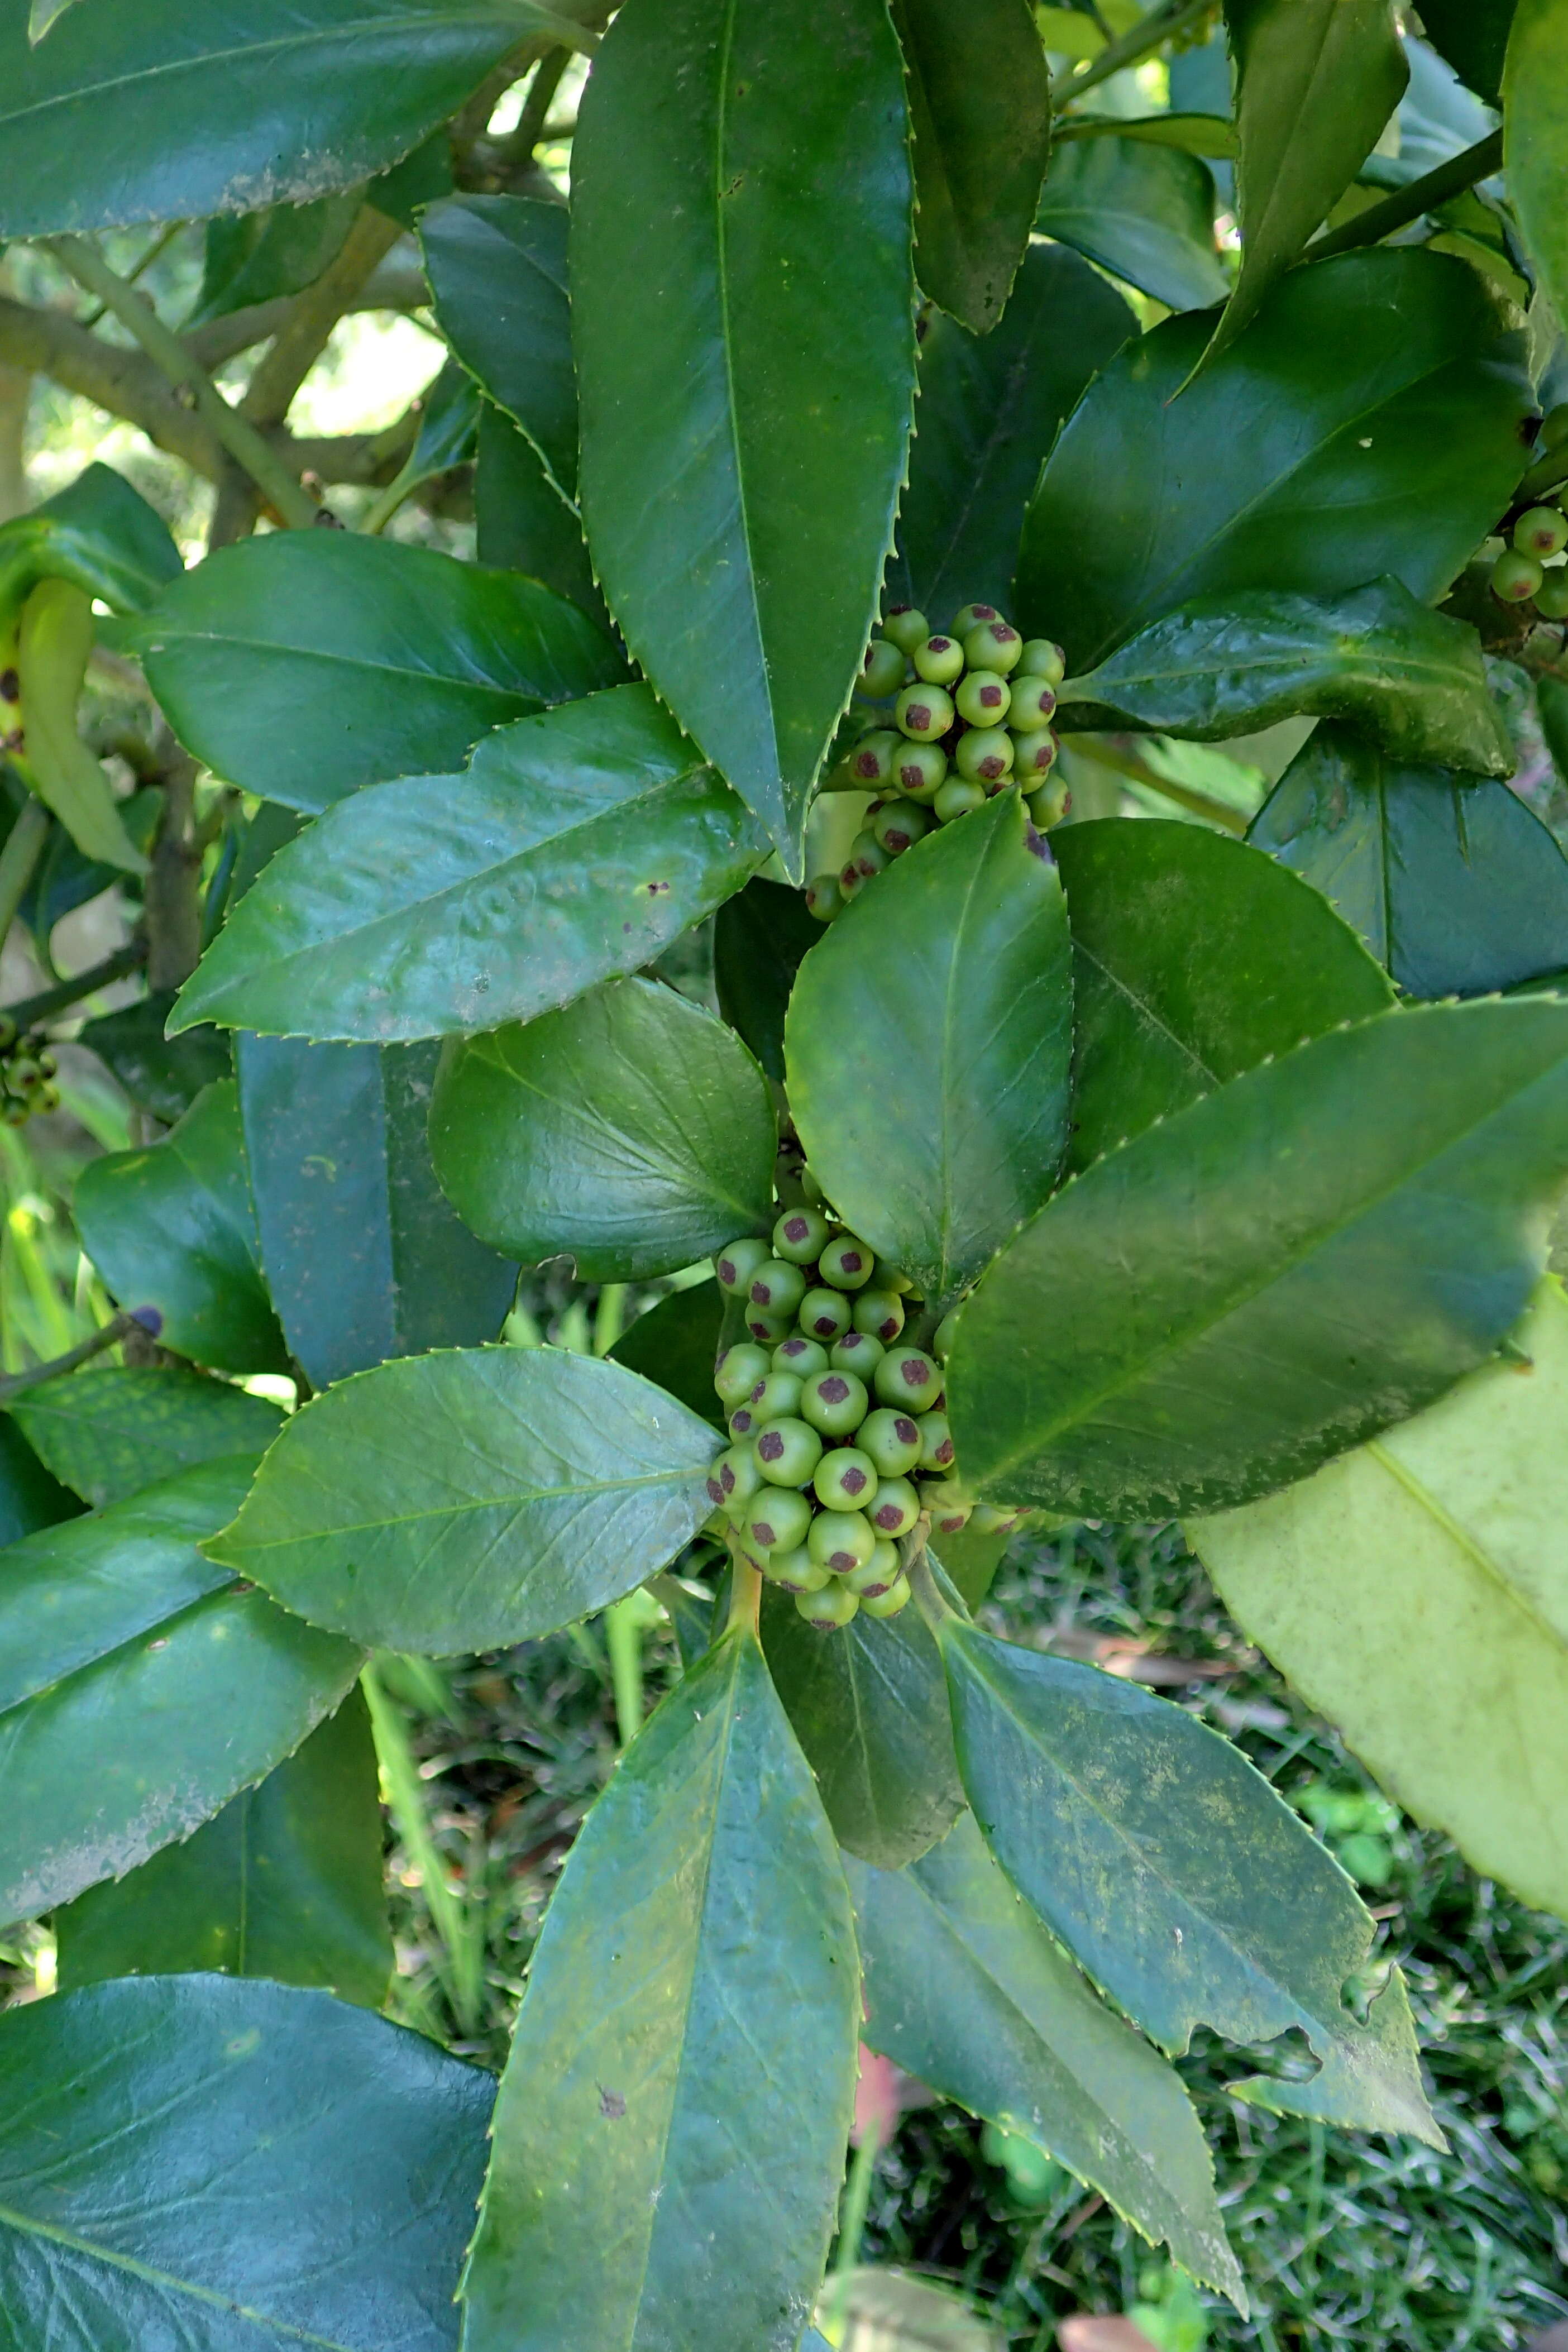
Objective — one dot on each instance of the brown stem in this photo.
(173, 894)
(144, 1322)
(312, 315)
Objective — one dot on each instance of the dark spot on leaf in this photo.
(1039, 845)
(657, 890)
(612, 2106)
(10, 685)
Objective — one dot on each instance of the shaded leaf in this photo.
(690, 2015)
(1472, 34)
(469, 1500)
(107, 1434)
(140, 1687)
(970, 1561)
(1535, 139)
(676, 1345)
(1146, 214)
(1212, 135)
(30, 1496)
(326, 2165)
(1317, 1249)
(523, 524)
(382, 660)
(944, 996)
(759, 939)
(576, 846)
(260, 255)
(744, 329)
(1196, 1895)
(497, 267)
(161, 1075)
(98, 533)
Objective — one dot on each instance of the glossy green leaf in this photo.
(31, 1497)
(161, 1075)
(230, 2167)
(669, 2141)
(1212, 135)
(943, 997)
(385, 660)
(1196, 1895)
(744, 326)
(577, 846)
(1191, 965)
(140, 1687)
(1416, 1594)
(497, 267)
(449, 426)
(1411, 679)
(1312, 1252)
(98, 533)
(1146, 214)
(676, 1344)
(868, 1705)
(970, 1560)
(978, 164)
(522, 522)
(759, 939)
(204, 106)
(170, 1225)
(1368, 420)
(363, 1257)
(965, 1989)
(1452, 881)
(257, 257)
(1472, 34)
(1535, 151)
(988, 411)
(66, 878)
(469, 1500)
(1317, 80)
(107, 1434)
(287, 1882)
(631, 1131)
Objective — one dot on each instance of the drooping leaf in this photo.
(257, 257)
(469, 1500)
(98, 533)
(363, 1257)
(676, 1344)
(161, 1075)
(630, 1130)
(1409, 679)
(1317, 80)
(1312, 1252)
(1454, 884)
(1416, 1594)
(30, 1496)
(222, 2165)
(287, 1882)
(669, 2142)
(744, 329)
(205, 107)
(1196, 1895)
(66, 878)
(759, 939)
(170, 1225)
(449, 426)
(978, 164)
(965, 1989)
(944, 997)
(107, 1434)
(988, 411)
(140, 1687)
(577, 846)
(869, 1708)
(522, 522)
(1369, 421)
(497, 267)
(305, 664)
(1535, 134)
(47, 670)
(1146, 214)
(1190, 965)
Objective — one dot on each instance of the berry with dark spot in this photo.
(972, 616)
(830, 1609)
(940, 661)
(985, 699)
(1041, 658)
(846, 1262)
(766, 1328)
(825, 1314)
(734, 1478)
(892, 1439)
(1035, 753)
(896, 1508)
(1034, 702)
(880, 1314)
(845, 1480)
(857, 1352)
(778, 1519)
(738, 1370)
(841, 1540)
(985, 756)
(800, 1235)
(824, 898)
(736, 1264)
(899, 824)
(871, 760)
(795, 1571)
(936, 1442)
(834, 1403)
(787, 1452)
(905, 628)
(993, 645)
(880, 1574)
(867, 855)
(907, 1379)
(956, 798)
(949, 1512)
(1540, 532)
(776, 1394)
(919, 769)
(802, 1357)
(777, 1286)
(1515, 577)
(881, 672)
(923, 712)
(889, 1603)
(1049, 804)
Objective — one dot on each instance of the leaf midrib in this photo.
(175, 639)
(459, 1510)
(1425, 1498)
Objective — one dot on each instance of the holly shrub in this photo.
(881, 425)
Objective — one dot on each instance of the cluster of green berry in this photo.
(1521, 574)
(840, 1442)
(27, 1072)
(971, 714)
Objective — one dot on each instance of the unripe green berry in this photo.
(880, 1573)
(867, 859)
(936, 1442)
(831, 1608)
(993, 645)
(738, 1370)
(846, 1262)
(778, 1519)
(919, 769)
(905, 628)
(946, 1333)
(1034, 701)
(734, 1478)
(892, 1439)
(845, 1480)
(1034, 756)
(881, 1314)
(800, 1235)
(899, 824)
(777, 1286)
(834, 1403)
(871, 761)
(1552, 596)
(985, 756)
(881, 672)
(743, 1422)
(824, 898)
(1540, 532)
(766, 1328)
(1515, 577)
(984, 697)
(940, 661)
(949, 1511)
(787, 1452)
(775, 1396)
(795, 1571)
(972, 616)
(956, 798)
(923, 712)
(851, 882)
(1048, 804)
(735, 1266)
(841, 1540)
(908, 1379)
(825, 1314)
(857, 1352)
(993, 1519)
(800, 1356)
(896, 1508)
(889, 1603)
(1041, 658)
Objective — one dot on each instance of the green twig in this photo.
(19, 860)
(1162, 26)
(623, 1638)
(1407, 203)
(145, 1319)
(461, 1933)
(1126, 763)
(248, 447)
(159, 245)
(32, 1010)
